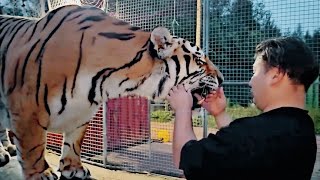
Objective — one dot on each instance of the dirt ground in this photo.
(12, 171)
(100, 173)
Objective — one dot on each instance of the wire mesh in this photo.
(236, 27)
(139, 136)
(54, 4)
(92, 147)
(128, 133)
(96, 3)
(180, 17)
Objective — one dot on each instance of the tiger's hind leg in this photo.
(70, 163)
(4, 155)
(5, 140)
(30, 140)
(5, 144)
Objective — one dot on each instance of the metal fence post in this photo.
(105, 140)
(42, 8)
(149, 127)
(198, 23)
(205, 45)
(316, 93)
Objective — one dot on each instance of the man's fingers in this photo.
(220, 92)
(180, 86)
(201, 101)
(189, 91)
(210, 96)
(174, 88)
(198, 96)
(170, 92)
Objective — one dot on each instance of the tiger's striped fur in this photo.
(56, 71)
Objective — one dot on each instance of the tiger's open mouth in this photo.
(207, 84)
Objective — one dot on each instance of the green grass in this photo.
(161, 116)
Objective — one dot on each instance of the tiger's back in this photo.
(51, 44)
(49, 56)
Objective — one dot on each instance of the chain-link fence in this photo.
(236, 27)
(229, 31)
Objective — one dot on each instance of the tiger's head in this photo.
(185, 63)
(127, 60)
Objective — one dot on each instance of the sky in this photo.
(289, 13)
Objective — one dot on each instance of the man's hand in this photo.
(181, 102)
(180, 99)
(215, 102)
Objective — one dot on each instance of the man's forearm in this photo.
(223, 119)
(182, 133)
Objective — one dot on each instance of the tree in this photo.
(315, 46)
(26, 8)
(236, 27)
(298, 32)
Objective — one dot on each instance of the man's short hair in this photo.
(292, 56)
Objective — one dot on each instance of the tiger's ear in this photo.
(162, 41)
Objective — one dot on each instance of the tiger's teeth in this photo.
(201, 101)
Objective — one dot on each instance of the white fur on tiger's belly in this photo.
(76, 113)
(78, 109)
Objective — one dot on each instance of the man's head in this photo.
(278, 61)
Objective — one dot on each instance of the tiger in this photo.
(57, 70)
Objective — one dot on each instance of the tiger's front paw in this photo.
(76, 173)
(73, 170)
(47, 174)
(4, 157)
(12, 149)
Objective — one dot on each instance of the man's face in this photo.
(258, 83)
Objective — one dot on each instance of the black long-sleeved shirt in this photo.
(279, 144)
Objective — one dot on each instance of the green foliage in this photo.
(239, 112)
(211, 122)
(235, 111)
(315, 115)
(197, 122)
(161, 116)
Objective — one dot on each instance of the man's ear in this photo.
(162, 42)
(276, 75)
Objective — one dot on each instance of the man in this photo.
(277, 144)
